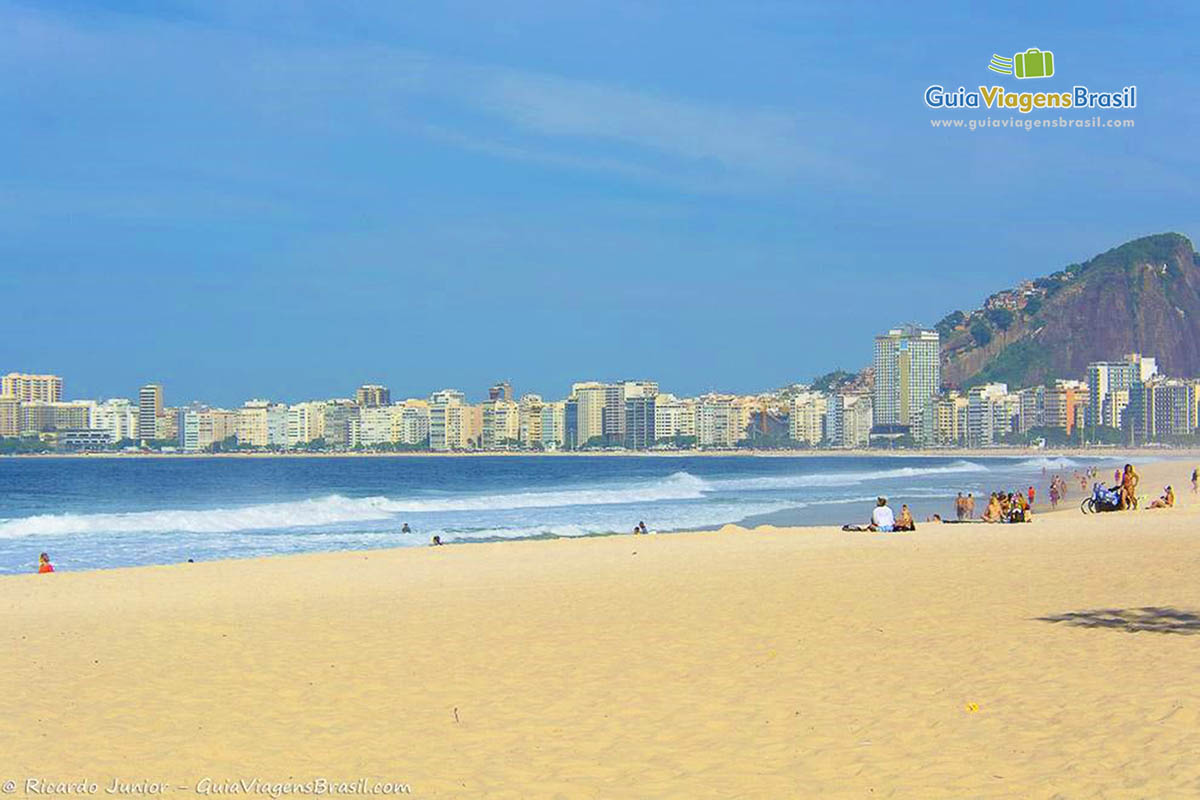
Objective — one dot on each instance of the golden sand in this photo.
(772, 663)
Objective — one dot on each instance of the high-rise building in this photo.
(848, 420)
(448, 428)
(501, 424)
(674, 417)
(717, 422)
(806, 421)
(639, 422)
(372, 395)
(591, 399)
(992, 413)
(31, 388)
(150, 406)
(375, 426)
(1112, 385)
(118, 417)
(189, 429)
(306, 423)
(500, 391)
(39, 417)
(410, 423)
(530, 425)
(10, 416)
(554, 424)
(1064, 405)
(342, 425)
(1032, 409)
(1169, 409)
(950, 420)
(907, 379)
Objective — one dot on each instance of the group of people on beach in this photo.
(1010, 506)
(1002, 506)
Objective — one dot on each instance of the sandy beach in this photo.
(1051, 659)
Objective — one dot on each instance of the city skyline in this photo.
(230, 203)
(898, 403)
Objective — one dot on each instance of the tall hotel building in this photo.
(150, 403)
(31, 388)
(907, 378)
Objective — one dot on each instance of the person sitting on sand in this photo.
(642, 527)
(1166, 501)
(905, 521)
(1129, 483)
(882, 518)
(993, 512)
(44, 564)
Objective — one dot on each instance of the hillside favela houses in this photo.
(898, 402)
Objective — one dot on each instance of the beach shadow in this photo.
(1149, 619)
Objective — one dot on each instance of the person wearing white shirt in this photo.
(882, 518)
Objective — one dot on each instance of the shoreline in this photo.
(1014, 452)
(1151, 473)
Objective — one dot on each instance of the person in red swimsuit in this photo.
(44, 564)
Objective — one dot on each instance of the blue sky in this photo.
(285, 200)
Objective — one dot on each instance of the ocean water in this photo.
(95, 513)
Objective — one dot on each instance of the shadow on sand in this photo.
(1150, 619)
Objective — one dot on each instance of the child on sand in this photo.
(905, 522)
(44, 564)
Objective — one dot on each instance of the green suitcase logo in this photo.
(1033, 63)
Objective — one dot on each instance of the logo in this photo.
(1033, 63)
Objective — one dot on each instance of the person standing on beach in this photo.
(960, 507)
(1032, 494)
(1195, 480)
(970, 506)
(1129, 483)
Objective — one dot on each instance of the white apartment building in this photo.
(117, 417)
(501, 424)
(554, 423)
(529, 431)
(449, 423)
(374, 425)
(261, 423)
(717, 422)
(991, 414)
(410, 422)
(305, 423)
(806, 419)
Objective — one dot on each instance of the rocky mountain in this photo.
(1143, 296)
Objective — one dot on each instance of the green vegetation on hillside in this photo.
(831, 380)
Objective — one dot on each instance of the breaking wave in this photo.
(336, 509)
